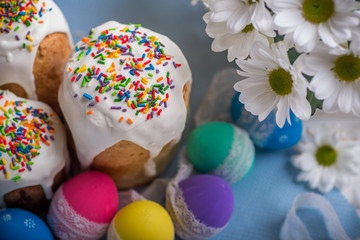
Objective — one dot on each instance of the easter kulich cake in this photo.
(35, 43)
(125, 97)
(33, 152)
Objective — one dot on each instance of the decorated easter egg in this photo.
(141, 220)
(222, 149)
(200, 206)
(18, 224)
(266, 134)
(83, 207)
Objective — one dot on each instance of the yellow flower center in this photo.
(280, 81)
(248, 28)
(326, 155)
(318, 11)
(347, 68)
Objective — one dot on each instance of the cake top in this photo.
(124, 82)
(32, 143)
(23, 26)
(127, 69)
(24, 131)
(16, 17)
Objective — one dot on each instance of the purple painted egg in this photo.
(209, 198)
(200, 206)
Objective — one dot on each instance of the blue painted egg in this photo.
(18, 224)
(222, 149)
(266, 134)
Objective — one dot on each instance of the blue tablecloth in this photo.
(265, 195)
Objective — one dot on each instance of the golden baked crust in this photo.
(15, 88)
(124, 161)
(32, 198)
(48, 70)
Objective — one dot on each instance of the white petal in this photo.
(345, 98)
(315, 177)
(356, 102)
(326, 36)
(324, 84)
(266, 104)
(282, 112)
(289, 19)
(249, 83)
(241, 48)
(305, 33)
(330, 104)
(327, 180)
(249, 67)
(239, 20)
(300, 107)
(305, 161)
(214, 29)
(265, 25)
(319, 62)
(285, 5)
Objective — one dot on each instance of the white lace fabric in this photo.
(67, 224)
(240, 159)
(112, 233)
(187, 227)
(293, 227)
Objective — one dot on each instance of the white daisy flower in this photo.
(238, 44)
(327, 159)
(272, 82)
(307, 21)
(336, 77)
(240, 13)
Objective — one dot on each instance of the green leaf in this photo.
(314, 102)
(293, 55)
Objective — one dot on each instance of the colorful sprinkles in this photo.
(22, 130)
(22, 13)
(133, 92)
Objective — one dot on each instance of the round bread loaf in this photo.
(33, 152)
(124, 96)
(35, 43)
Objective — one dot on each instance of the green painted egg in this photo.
(222, 149)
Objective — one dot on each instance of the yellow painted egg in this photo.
(141, 220)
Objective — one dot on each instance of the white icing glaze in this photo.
(16, 63)
(52, 159)
(96, 132)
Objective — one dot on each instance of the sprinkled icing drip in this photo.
(134, 93)
(25, 13)
(22, 130)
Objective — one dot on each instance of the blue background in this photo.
(265, 195)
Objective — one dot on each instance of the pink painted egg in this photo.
(83, 207)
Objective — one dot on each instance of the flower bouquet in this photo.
(297, 56)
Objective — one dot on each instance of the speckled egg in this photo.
(83, 207)
(141, 220)
(200, 207)
(18, 224)
(222, 149)
(266, 134)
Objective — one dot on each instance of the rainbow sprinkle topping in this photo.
(15, 14)
(114, 49)
(22, 130)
